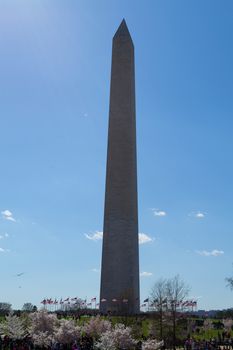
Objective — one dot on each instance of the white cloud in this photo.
(200, 215)
(98, 235)
(2, 250)
(143, 238)
(146, 274)
(197, 214)
(214, 252)
(94, 236)
(95, 270)
(7, 215)
(158, 212)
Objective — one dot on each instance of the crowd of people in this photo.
(212, 344)
(85, 343)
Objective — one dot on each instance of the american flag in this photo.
(185, 303)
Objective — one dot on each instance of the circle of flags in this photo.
(180, 305)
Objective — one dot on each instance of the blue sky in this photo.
(54, 99)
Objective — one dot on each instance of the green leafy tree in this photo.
(28, 307)
(5, 308)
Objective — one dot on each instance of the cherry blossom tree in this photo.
(67, 332)
(122, 337)
(106, 342)
(42, 339)
(43, 326)
(96, 327)
(119, 337)
(42, 321)
(227, 324)
(152, 344)
(208, 325)
(13, 327)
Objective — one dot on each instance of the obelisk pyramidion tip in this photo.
(122, 31)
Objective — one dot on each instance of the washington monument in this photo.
(119, 291)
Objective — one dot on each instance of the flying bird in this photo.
(20, 274)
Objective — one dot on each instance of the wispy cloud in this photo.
(95, 270)
(197, 214)
(214, 252)
(2, 250)
(98, 235)
(146, 274)
(7, 215)
(158, 212)
(5, 235)
(144, 238)
(196, 298)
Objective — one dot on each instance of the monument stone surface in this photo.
(119, 291)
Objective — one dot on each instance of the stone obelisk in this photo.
(119, 292)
